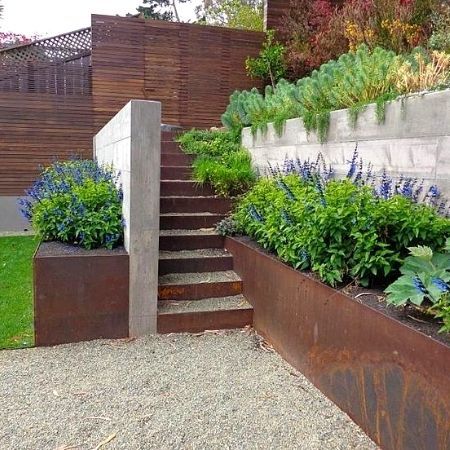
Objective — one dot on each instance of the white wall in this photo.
(131, 142)
(11, 219)
(413, 141)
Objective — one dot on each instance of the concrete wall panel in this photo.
(414, 140)
(131, 142)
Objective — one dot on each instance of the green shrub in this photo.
(76, 202)
(441, 310)
(221, 161)
(227, 227)
(339, 229)
(440, 37)
(269, 65)
(425, 279)
(353, 81)
(425, 275)
(208, 142)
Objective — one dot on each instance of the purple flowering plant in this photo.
(357, 228)
(77, 202)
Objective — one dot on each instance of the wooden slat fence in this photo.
(191, 69)
(55, 94)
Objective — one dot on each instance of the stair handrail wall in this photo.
(131, 143)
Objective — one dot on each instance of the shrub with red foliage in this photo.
(315, 31)
(309, 35)
(8, 39)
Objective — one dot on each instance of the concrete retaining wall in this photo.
(11, 219)
(413, 141)
(131, 141)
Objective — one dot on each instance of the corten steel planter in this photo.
(390, 379)
(79, 295)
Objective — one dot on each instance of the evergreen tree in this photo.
(244, 14)
(161, 9)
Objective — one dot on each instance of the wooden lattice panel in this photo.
(58, 48)
(59, 65)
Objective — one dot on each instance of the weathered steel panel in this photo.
(194, 322)
(79, 295)
(392, 380)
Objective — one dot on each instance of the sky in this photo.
(51, 17)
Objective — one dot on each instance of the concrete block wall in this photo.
(11, 219)
(131, 142)
(414, 140)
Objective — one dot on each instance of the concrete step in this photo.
(174, 240)
(201, 260)
(184, 188)
(176, 159)
(178, 204)
(190, 221)
(195, 286)
(176, 172)
(207, 314)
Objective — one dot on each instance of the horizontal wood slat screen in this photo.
(275, 10)
(35, 129)
(192, 69)
(52, 110)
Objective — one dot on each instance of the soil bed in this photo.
(409, 315)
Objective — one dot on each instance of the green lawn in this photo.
(16, 297)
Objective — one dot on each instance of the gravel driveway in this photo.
(210, 391)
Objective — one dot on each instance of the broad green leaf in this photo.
(422, 252)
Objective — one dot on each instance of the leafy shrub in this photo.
(76, 202)
(239, 112)
(353, 81)
(311, 37)
(441, 310)
(340, 229)
(209, 142)
(423, 71)
(227, 227)
(320, 30)
(230, 174)
(395, 25)
(425, 275)
(440, 22)
(269, 65)
(221, 161)
(425, 278)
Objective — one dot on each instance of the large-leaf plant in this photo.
(425, 276)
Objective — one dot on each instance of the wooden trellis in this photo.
(57, 65)
(57, 48)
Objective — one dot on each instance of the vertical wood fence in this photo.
(56, 93)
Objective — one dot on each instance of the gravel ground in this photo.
(210, 391)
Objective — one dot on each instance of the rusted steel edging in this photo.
(79, 295)
(392, 380)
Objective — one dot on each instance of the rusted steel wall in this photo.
(79, 294)
(390, 379)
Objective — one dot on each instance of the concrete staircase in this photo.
(198, 289)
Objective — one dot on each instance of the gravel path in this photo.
(211, 391)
